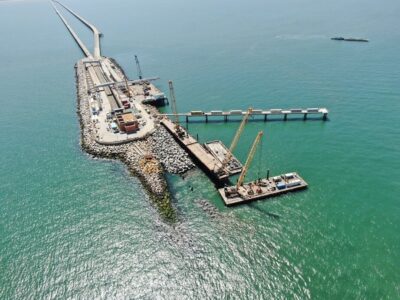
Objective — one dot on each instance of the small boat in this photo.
(339, 38)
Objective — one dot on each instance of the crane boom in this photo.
(173, 102)
(240, 130)
(235, 140)
(249, 159)
(139, 69)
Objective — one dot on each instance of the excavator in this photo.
(234, 190)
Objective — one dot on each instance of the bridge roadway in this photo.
(81, 45)
(256, 112)
(96, 32)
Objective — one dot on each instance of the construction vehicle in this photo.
(139, 69)
(229, 154)
(144, 84)
(234, 190)
(180, 132)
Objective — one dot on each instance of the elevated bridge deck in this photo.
(96, 33)
(81, 45)
(225, 115)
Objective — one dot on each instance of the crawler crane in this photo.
(234, 191)
(235, 140)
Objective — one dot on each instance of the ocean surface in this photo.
(74, 227)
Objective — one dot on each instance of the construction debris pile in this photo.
(149, 164)
(173, 158)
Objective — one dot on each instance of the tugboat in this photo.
(340, 38)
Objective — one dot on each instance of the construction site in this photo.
(220, 164)
(117, 113)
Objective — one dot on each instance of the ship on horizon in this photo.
(349, 39)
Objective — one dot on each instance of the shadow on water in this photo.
(269, 214)
(208, 207)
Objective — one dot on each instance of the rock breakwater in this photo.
(147, 158)
(173, 158)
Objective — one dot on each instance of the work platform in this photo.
(219, 151)
(225, 115)
(264, 188)
(206, 160)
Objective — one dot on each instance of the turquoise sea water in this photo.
(75, 227)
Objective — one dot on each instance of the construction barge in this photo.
(262, 188)
(219, 163)
(208, 162)
(220, 152)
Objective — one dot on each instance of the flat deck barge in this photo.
(263, 188)
(205, 159)
(219, 151)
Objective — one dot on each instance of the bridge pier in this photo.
(206, 119)
(325, 117)
(305, 117)
(265, 118)
(187, 119)
(225, 119)
(285, 117)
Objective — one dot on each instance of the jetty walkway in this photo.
(215, 114)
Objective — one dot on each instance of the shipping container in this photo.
(280, 185)
(293, 183)
(196, 113)
(216, 112)
(236, 112)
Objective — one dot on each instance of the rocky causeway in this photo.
(148, 157)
